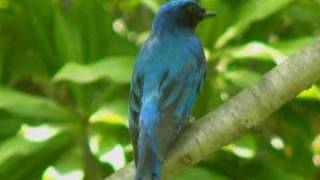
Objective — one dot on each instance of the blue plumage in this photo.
(169, 71)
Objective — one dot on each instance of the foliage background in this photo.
(65, 67)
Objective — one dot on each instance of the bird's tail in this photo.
(148, 167)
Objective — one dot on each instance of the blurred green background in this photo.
(65, 68)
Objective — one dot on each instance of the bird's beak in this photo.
(209, 14)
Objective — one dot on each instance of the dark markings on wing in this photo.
(163, 78)
(170, 97)
(138, 90)
(200, 84)
(202, 66)
(135, 116)
(135, 105)
(170, 109)
(168, 89)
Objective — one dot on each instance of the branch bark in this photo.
(244, 111)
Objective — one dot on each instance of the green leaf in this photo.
(2, 49)
(20, 158)
(153, 5)
(199, 173)
(104, 137)
(67, 37)
(69, 166)
(114, 157)
(11, 124)
(245, 147)
(316, 145)
(291, 46)
(277, 52)
(25, 105)
(117, 69)
(114, 113)
(242, 77)
(38, 14)
(107, 142)
(251, 11)
(256, 50)
(311, 93)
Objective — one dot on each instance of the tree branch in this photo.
(244, 111)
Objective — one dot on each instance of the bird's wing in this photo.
(180, 84)
(134, 111)
(179, 91)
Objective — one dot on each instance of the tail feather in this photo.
(148, 167)
(148, 164)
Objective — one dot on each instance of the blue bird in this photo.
(168, 73)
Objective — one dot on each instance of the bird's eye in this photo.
(192, 9)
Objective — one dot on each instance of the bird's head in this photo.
(183, 12)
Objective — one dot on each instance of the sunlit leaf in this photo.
(311, 93)
(244, 147)
(69, 166)
(39, 133)
(117, 69)
(53, 174)
(115, 157)
(113, 113)
(105, 137)
(316, 145)
(277, 143)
